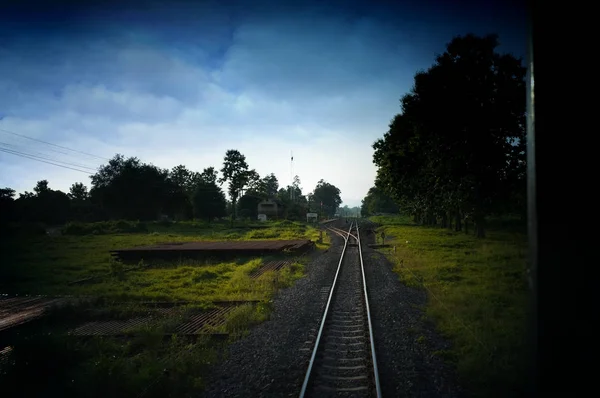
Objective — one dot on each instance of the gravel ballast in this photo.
(405, 341)
(271, 360)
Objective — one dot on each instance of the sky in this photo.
(181, 82)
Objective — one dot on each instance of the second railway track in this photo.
(343, 361)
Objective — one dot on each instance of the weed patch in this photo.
(143, 362)
(477, 296)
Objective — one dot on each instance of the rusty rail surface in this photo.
(195, 324)
(269, 266)
(212, 248)
(15, 311)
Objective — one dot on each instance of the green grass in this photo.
(477, 295)
(145, 362)
(46, 264)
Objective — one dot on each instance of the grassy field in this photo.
(477, 296)
(145, 364)
(41, 264)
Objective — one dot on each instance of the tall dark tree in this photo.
(377, 201)
(183, 178)
(78, 192)
(7, 205)
(457, 149)
(209, 175)
(270, 185)
(81, 206)
(235, 172)
(248, 203)
(46, 205)
(327, 197)
(41, 187)
(209, 201)
(130, 189)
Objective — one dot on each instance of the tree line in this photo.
(129, 189)
(456, 153)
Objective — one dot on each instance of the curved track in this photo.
(343, 361)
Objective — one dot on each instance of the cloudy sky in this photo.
(180, 82)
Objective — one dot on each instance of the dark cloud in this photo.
(173, 81)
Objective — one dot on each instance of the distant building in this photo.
(312, 217)
(271, 208)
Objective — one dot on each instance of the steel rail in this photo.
(343, 235)
(372, 339)
(318, 339)
(338, 230)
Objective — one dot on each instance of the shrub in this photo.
(203, 275)
(104, 227)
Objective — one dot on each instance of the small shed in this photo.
(312, 217)
(271, 208)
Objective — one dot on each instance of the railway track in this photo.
(343, 361)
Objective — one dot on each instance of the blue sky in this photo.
(182, 82)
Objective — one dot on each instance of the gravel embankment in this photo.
(404, 340)
(271, 361)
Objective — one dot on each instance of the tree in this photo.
(7, 205)
(184, 179)
(327, 197)
(78, 192)
(46, 205)
(377, 201)
(457, 148)
(209, 201)
(248, 204)
(181, 185)
(209, 175)
(26, 195)
(7, 194)
(235, 171)
(130, 189)
(41, 187)
(270, 186)
(81, 206)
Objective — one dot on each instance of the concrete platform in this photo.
(211, 249)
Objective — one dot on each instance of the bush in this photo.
(261, 234)
(203, 274)
(24, 228)
(104, 227)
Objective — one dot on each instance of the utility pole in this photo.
(292, 176)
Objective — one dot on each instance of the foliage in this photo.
(104, 227)
(78, 192)
(208, 200)
(347, 211)
(235, 171)
(270, 185)
(128, 189)
(457, 150)
(34, 264)
(7, 205)
(248, 204)
(326, 198)
(377, 201)
(43, 205)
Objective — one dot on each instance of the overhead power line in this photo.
(39, 160)
(54, 145)
(42, 155)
